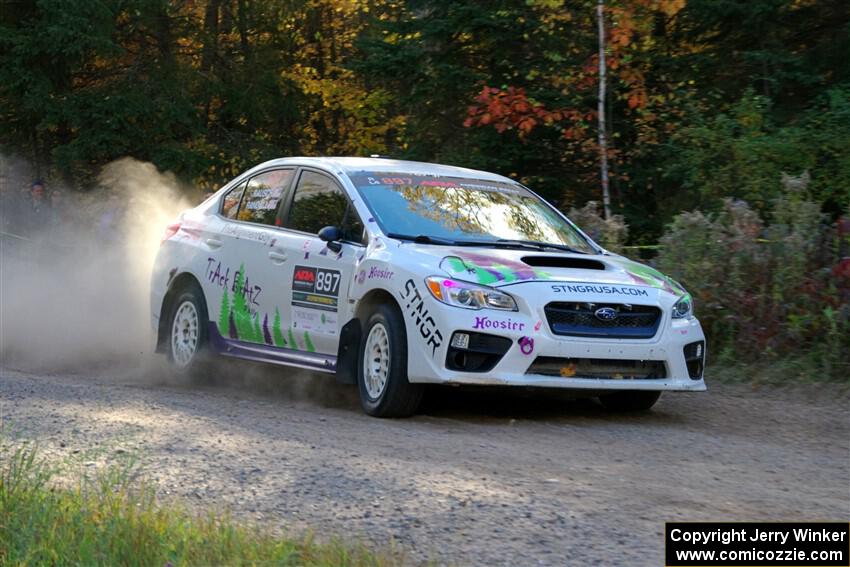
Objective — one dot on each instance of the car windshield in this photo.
(454, 209)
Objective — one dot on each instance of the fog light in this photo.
(695, 359)
(460, 340)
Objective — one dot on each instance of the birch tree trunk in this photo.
(603, 138)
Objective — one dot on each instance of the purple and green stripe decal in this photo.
(487, 270)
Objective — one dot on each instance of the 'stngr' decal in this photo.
(415, 306)
(316, 288)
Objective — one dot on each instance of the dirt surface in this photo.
(480, 478)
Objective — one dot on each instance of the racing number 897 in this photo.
(327, 282)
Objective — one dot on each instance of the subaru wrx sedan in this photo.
(395, 274)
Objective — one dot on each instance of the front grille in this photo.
(599, 368)
(582, 320)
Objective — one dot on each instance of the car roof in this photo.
(353, 165)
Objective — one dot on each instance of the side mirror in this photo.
(332, 235)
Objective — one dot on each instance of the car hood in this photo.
(502, 267)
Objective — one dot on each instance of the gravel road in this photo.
(481, 478)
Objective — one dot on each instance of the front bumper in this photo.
(513, 368)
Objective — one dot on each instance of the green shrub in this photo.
(766, 293)
(611, 233)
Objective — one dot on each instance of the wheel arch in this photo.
(178, 283)
(351, 333)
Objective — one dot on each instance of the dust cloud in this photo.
(75, 287)
(74, 283)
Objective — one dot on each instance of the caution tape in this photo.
(660, 246)
(642, 247)
(17, 236)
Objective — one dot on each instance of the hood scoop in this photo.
(563, 262)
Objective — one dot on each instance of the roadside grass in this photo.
(51, 514)
(787, 371)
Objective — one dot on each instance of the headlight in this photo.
(468, 295)
(683, 308)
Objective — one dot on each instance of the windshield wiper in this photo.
(422, 239)
(538, 245)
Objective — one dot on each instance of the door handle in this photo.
(277, 257)
(214, 242)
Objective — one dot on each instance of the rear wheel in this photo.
(187, 330)
(382, 367)
(629, 401)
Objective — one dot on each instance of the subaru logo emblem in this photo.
(606, 313)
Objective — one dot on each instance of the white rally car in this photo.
(395, 274)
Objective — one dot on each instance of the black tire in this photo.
(398, 398)
(630, 401)
(195, 367)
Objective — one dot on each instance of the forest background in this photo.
(728, 124)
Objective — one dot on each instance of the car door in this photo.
(249, 274)
(319, 277)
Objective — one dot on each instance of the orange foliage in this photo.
(512, 109)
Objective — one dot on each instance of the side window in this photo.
(319, 202)
(230, 203)
(262, 197)
(352, 226)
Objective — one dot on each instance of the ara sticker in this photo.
(316, 288)
(526, 345)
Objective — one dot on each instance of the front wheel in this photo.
(382, 367)
(187, 330)
(639, 400)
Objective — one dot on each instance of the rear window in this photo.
(230, 203)
(262, 197)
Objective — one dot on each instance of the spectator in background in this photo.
(35, 212)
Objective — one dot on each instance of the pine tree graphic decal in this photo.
(241, 314)
(258, 334)
(277, 334)
(224, 315)
(308, 342)
(267, 337)
(231, 327)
